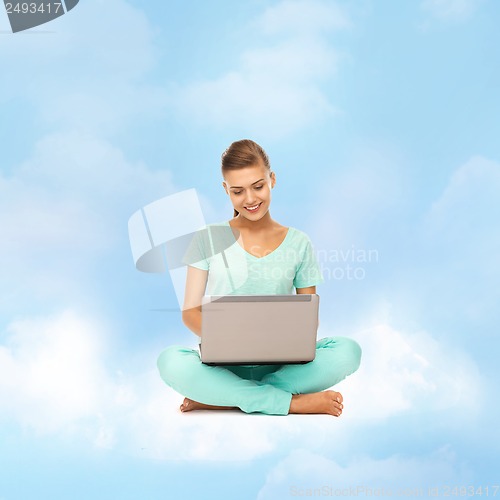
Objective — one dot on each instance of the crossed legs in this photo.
(274, 390)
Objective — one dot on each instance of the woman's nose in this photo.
(249, 200)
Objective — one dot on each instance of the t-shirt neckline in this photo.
(267, 255)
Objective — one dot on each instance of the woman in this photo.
(265, 247)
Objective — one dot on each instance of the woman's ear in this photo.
(225, 187)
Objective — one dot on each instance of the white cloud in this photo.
(274, 90)
(409, 373)
(70, 201)
(436, 261)
(51, 373)
(88, 74)
(57, 377)
(457, 236)
(46, 357)
(85, 79)
(469, 203)
(400, 374)
(155, 428)
(451, 10)
(63, 214)
(110, 37)
(302, 16)
(90, 169)
(306, 474)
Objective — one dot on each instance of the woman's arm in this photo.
(196, 282)
(309, 289)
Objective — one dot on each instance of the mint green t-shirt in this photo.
(234, 271)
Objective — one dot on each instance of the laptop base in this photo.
(256, 363)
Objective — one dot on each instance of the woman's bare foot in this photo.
(329, 402)
(190, 405)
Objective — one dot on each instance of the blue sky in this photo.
(380, 119)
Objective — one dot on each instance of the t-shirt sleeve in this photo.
(196, 254)
(308, 272)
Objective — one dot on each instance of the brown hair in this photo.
(241, 154)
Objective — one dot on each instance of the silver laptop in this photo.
(259, 329)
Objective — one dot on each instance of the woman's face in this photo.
(249, 187)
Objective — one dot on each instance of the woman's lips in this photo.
(255, 210)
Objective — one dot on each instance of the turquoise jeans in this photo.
(258, 388)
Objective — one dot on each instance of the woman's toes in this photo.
(337, 407)
(337, 396)
(185, 405)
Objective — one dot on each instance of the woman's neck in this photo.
(263, 224)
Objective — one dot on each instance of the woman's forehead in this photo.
(246, 176)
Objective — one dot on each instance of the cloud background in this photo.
(380, 120)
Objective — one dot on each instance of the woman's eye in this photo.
(239, 192)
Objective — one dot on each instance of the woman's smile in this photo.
(249, 189)
(253, 208)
